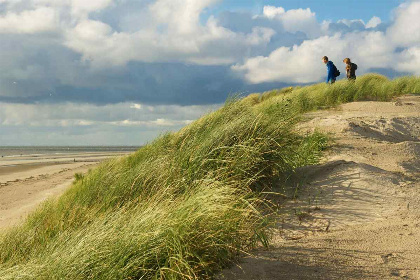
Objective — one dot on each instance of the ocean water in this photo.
(11, 151)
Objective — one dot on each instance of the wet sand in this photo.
(27, 181)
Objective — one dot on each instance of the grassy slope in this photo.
(185, 205)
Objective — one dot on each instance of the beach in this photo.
(28, 179)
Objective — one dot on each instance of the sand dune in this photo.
(357, 215)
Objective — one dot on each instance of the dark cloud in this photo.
(38, 68)
(390, 73)
(148, 83)
(124, 16)
(335, 27)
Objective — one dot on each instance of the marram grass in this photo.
(187, 204)
(369, 87)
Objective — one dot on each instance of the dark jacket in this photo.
(351, 71)
(331, 72)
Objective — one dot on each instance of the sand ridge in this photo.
(357, 214)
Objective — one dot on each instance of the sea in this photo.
(12, 151)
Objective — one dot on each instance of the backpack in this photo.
(336, 72)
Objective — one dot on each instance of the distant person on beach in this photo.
(350, 69)
(332, 71)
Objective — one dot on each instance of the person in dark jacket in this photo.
(350, 69)
(331, 70)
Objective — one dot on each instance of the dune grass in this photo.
(369, 87)
(187, 204)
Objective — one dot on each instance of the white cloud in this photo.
(136, 106)
(299, 64)
(154, 123)
(80, 9)
(405, 31)
(180, 16)
(72, 114)
(303, 20)
(271, 12)
(211, 44)
(84, 124)
(370, 49)
(43, 19)
(94, 39)
(409, 61)
(302, 63)
(373, 22)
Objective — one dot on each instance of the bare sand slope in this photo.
(25, 182)
(356, 215)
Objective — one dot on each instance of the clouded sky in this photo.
(120, 72)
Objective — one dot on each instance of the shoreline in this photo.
(27, 181)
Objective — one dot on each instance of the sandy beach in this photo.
(28, 180)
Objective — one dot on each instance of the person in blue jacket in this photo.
(331, 70)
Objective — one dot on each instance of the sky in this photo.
(122, 72)
(324, 9)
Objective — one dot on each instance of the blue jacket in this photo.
(330, 71)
